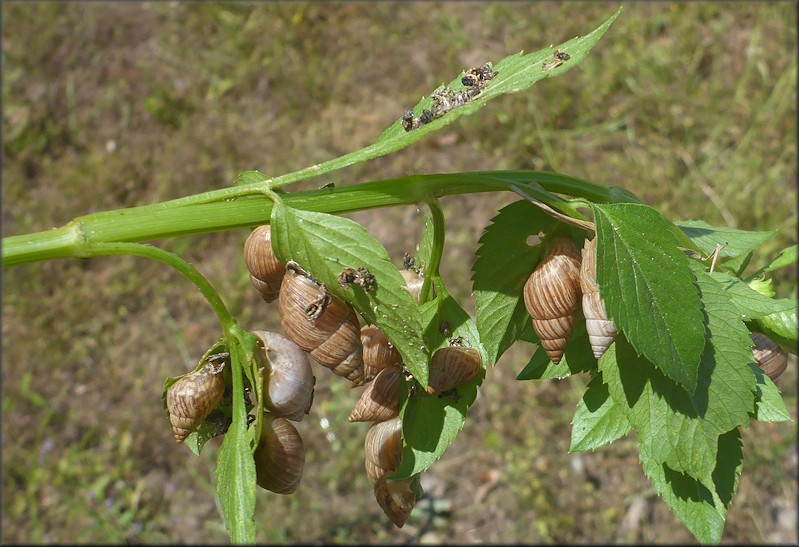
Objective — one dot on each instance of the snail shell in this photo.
(380, 400)
(601, 330)
(414, 282)
(552, 296)
(192, 398)
(769, 356)
(321, 324)
(266, 271)
(452, 366)
(396, 499)
(279, 457)
(378, 352)
(288, 377)
(383, 448)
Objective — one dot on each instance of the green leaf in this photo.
(749, 302)
(326, 244)
(513, 73)
(734, 242)
(701, 510)
(769, 405)
(648, 289)
(235, 467)
(577, 358)
(780, 327)
(598, 420)
(787, 257)
(674, 427)
(504, 262)
(431, 423)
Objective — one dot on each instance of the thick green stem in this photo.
(246, 205)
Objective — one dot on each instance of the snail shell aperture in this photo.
(288, 377)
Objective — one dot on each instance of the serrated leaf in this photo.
(577, 358)
(787, 257)
(431, 423)
(598, 420)
(324, 245)
(513, 73)
(674, 427)
(733, 242)
(701, 510)
(504, 262)
(648, 289)
(780, 327)
(769, 405)
(749, 302)
(235, 467)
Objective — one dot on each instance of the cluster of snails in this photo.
(379, 403)
(564, 279)
(554, 291)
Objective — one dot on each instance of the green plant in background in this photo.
(681, 371)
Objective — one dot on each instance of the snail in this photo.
(266, 271)
(378, 351)
(321, 324)
(383, 448)
(769, 356)
(279, 456)
(552, 296)
(452, 366)
(396, 499)
(288, 377)
(193, 397)
(380, 400)
(414, 283)
(601, 330)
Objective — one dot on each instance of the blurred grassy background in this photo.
(109, 105)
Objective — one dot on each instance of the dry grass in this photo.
(108, 105)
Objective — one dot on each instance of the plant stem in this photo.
(246, 205)
(193, 275)
(431, 270)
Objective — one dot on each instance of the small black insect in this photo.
(426, 117)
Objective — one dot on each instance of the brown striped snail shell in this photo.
(601, 330)
(452, 366)
(266, 271)
(396, 499)
(383, 448)
(321, 324)
(380, 400)
(378, 351)
(288, 377)
(552, 296)
(414, 283)
(769, 356)
(279, 457)
(192, 398)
